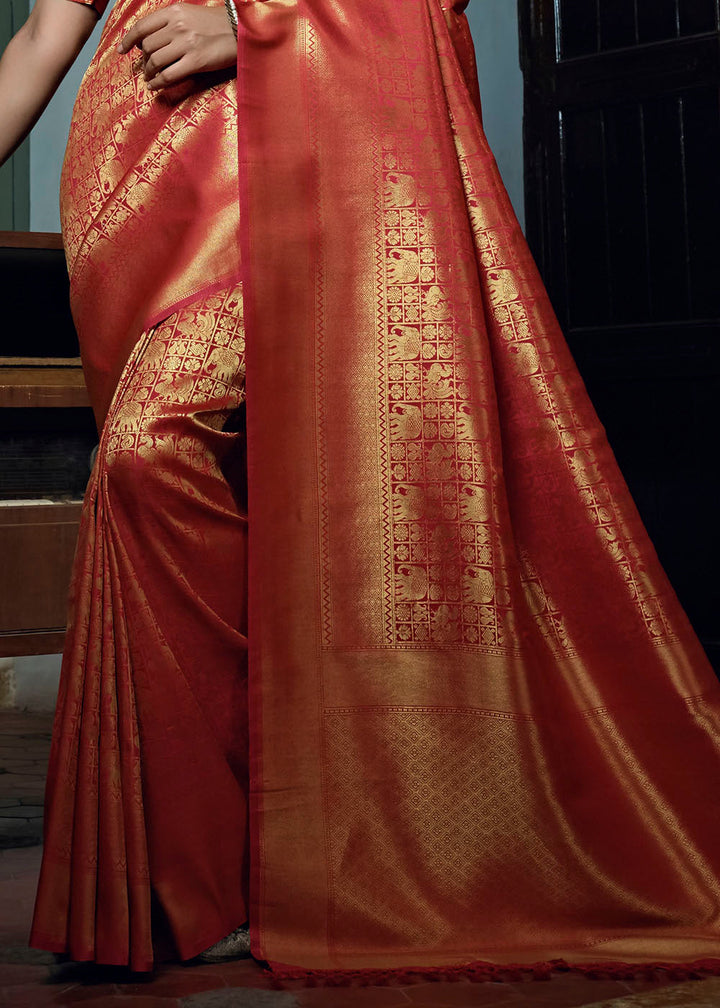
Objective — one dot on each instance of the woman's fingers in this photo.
(144, 27)
(158, 40)
(172, 74)
(161, 59)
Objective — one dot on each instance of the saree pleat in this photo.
(477, 707)
(95, 871)
(147, 791)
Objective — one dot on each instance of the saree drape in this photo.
(482, 731)
(146, 803)
(481, 726)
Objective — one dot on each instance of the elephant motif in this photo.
(403, 266)
(405, 422)
(535, 597)
(411, 583)
(478, 218)
(153, 358)
(222, 364)
(129, 417)
(404, 343)
(407, 503)
(478, 585)
(475, 503)
(503, 287)
(525, 358)
(472, 426)
(400, 189)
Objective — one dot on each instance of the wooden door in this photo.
(622, 158)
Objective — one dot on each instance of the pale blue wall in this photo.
(495, 30)
(494, 26)
(47, 144)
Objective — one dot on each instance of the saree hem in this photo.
(483, 972)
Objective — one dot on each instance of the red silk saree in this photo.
(482, 731)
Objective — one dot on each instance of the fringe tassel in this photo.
(282, 975)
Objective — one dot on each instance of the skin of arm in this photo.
(35, 61)
(177, 42)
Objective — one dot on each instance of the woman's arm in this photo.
(35, 61)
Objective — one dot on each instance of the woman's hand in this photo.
(180, 41)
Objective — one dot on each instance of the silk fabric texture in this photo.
(481, 727)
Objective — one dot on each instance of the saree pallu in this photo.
(482, 730)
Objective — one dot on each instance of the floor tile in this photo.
(113, 1001)
(79, 994)
(464, 993)
(12, 974)
(142, 1001)
(568, 991)
(240, 997)
(29, 996)
(242, 973)
(353, 997)
(690, 994)
(176, 982)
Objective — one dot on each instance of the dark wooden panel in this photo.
(588, 26)
(35, 295)
(37, 544)
(33, 642)
(618, 24)
(31, 239)
(645, 71)
(579, 28)
(657, 20)
(665, 202)
(584, 196)
(701, 130)
(698, 16)
(43, 386)
(626, 208)
(623, 213)
(45, 452)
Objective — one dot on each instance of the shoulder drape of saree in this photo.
(482, 728)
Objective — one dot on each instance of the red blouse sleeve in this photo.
(97, 5)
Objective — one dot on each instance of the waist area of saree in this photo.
(149, 199)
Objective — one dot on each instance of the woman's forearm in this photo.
(34, 63)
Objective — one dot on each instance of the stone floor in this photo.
(24, 747)
(31, 979)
